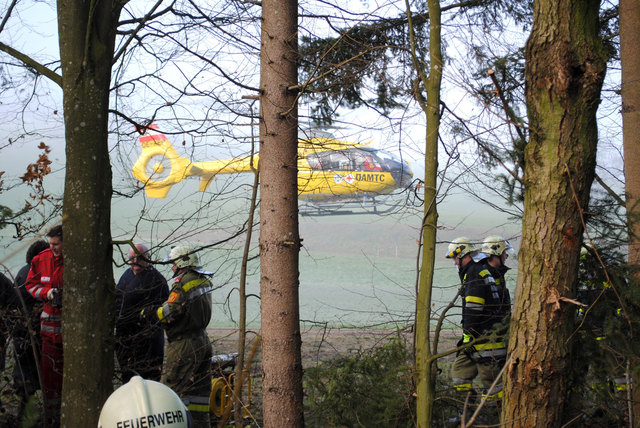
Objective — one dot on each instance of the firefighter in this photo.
(498, 250)
(144, 403)
(600, 367)
(185, 316)
(483, 312)
(44, 283)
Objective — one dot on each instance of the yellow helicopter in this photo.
(331, 173)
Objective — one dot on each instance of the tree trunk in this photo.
(87, 38)
(426, 377)
(564, 73)
(630, 57)
(279, 236)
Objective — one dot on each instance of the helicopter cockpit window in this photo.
(330, 160)
(388, 156)
(365, 160)
(345, 160)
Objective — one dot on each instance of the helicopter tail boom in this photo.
(160, 166)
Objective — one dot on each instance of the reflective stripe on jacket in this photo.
(187, 311)
(484, 305)
(46, 273)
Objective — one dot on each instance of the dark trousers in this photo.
(188, 373)
(140, 356)
(25, 370)
(51, 363)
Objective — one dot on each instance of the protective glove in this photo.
(469, 350)
(55, 296)
(471, 353)
(149, 314)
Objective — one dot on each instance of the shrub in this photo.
(365, 389)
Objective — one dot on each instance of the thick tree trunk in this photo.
(564, 74)
(425, 374)
(630, 57)
(86, 47)
(279, 238)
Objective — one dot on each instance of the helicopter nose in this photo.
(403, 175)
(407, 175)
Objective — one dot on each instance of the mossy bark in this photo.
(87, 36)
(564, 73)
(425, 373)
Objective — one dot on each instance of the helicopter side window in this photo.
(315, 161)
(344, 160)
(340, 161)
(322, 161)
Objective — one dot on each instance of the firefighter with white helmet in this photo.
(147, 403)
(498, 250)
(183, 256)
(485, 351)
(185, 316)
(495, 245)
(459, 248)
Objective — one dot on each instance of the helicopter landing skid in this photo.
(363, 205)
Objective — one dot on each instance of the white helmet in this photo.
(495, 245)
(184, 256)
(587, 250)
(142, 402)
(460, 247)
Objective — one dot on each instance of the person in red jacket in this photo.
(44, 283)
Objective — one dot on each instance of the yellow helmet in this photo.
(460, 247)
(142, 402)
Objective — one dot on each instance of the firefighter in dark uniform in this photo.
(185, 316)
(498, 250)
(484, 308)
(600, 367)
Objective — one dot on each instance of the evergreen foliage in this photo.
(365, 389)
(603, 351)
(341, 70)
(369, 63)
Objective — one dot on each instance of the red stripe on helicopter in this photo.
(152, 137)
